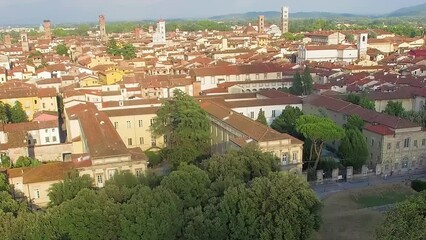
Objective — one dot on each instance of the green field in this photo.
(347, 215)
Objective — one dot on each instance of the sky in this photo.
(70, 11)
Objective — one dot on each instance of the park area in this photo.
(356, 214)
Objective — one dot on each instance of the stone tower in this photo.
(261, 24)
(102, 28)
(159, 37)
(7, 41)
(284, 19)
(47, 30)
(138, 32)
(24, 42)
(362, 46)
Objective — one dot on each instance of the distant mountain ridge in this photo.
(414, 11)
(275, 14)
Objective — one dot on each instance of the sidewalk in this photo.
(330, 187)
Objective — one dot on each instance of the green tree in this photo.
(18, 114)
(239, 166)
(350, 38)
(62, 49)
(297, 86)
(307, 82)
(280, 206)
(4, 114)
(361, 101)
(189, 183)
(186, 128)
(318, 130)
(261, 117)
(286, 122)
(69, 188)
(394, 109)
(90, 215)
(405, 221)
(5, 161)
(4, 185)
(152, 214)
(23, 161)
(128, 51)
(113, 48)
(354, 121)
(353, 148)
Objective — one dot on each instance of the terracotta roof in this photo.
(236, 69)
(100, 135)
(131, 111)
(47, 172)
(380, 129)
(46, 92)
(245, 125)
(369, 116)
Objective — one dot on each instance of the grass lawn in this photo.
(346, 214)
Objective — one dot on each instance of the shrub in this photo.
(418, 185)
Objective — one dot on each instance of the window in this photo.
(153, 141)
(278, 75)
(141, 140)
(151, 121)
(294, 156)
(46, 130)
(257, 76)
(53, 130)
(284, 159)
(389, 146)
(116, 125)
(397, 145)
(423, 142)
(129, 141)
(99, 179)
(265, 76)
(112, 172)
(54, 139)
(47, 139)
(415, 143)
(138, 172)
(140, 123)
(406, 143)
(252, 115)
(35, 101)
(129, 125)
(44, 105)
(372, 142)
(273, 113)
(36, 193)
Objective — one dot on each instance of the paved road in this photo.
(330, 187)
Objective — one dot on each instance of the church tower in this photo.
(261, 24)
(362, 46)
(284, 19)
(102, 28)
(24, 42)
(7, 41)
(47, 30)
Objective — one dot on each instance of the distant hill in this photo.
(274, 14)
(414, 11)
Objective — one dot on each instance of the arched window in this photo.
(363, 38)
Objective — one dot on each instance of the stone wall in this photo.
(51, 153)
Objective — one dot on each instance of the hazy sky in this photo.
(59, 11)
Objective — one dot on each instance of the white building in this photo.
(159, 37)
(328, 53)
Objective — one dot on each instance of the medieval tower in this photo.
(47, 30)
(261, 24)
(102, 28)
(24, 42)
(284, 19)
